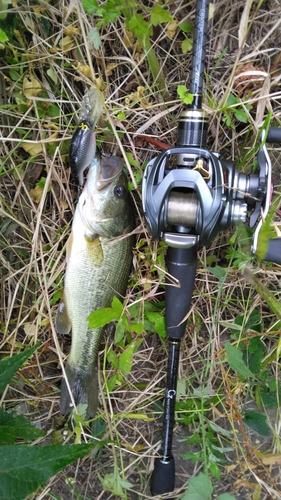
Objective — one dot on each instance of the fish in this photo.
(99, 262)
(82, 147)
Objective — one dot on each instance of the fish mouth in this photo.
(110, 167)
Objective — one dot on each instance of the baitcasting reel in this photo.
(190, 194)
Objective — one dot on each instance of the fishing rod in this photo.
(189, 195)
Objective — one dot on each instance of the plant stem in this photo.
(154, 66)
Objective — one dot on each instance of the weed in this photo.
(136, 25)
(193, 411)
(185, 97)
(235, 111)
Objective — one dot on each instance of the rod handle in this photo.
(163, 476)
(181, 265)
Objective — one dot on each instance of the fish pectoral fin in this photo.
(94, 249)
(91, 237)
(62, 320)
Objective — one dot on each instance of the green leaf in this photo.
(112, 382)
(90, 6)
(232, 100)
(195, 439)
(270, 394)
(235, 361)
(94, 36)
(24, 468)
(184, 95)
(119, 333)
(14, 427)
(240, 115)
(219, 272)
(186, 27)
(256, 350)
(121, 116)
(3, 36)
(112, 358)
(98, 428)
(257, 422)
(115, 484)
(186, 45)
(160, 15)
(203, 392)
(105, 315)
(226, 496)
(199, 488)
(108, 11)
(15, 76)
(117, 304)
(126, 360)
(53, 111)
(220, 430)
(41, 183)
(158, 321)
(9, 366)
(138, 26)
(254, 322)
(181, 90)
(214, 468)
(53, 75)
(135, 327)
(228, 119)
(102, 317)
(133, 161)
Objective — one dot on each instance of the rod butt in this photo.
(163, 476)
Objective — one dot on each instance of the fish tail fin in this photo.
(84, 388)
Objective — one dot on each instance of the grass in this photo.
(47, 64)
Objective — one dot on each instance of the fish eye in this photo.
(120, 191)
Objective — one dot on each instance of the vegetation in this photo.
(227, 434)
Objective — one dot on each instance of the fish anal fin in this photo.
(62, 320)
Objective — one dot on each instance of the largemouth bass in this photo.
(99, 260)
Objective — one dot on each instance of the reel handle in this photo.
(273, 253)
(274, 135)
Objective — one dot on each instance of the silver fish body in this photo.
(99, 262)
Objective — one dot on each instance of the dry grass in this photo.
(34, 226)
